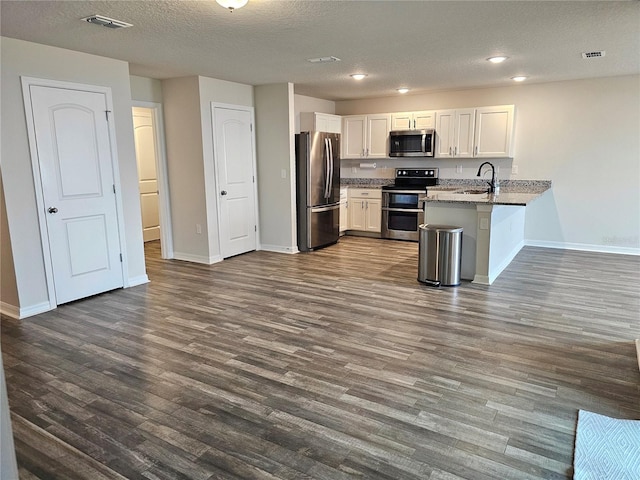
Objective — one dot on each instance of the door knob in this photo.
(52, 210)
(223, 192)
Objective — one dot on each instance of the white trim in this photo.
(18, 313)
(251, 111)
(139, 280)
(583, 247)
(27, 83)
(187, 257)
(164, 197)
(280, 249)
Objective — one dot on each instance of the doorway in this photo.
(152, 178)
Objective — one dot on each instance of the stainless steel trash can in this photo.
(439, 255)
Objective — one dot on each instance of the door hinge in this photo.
(251, 127)
(120, 258)
(106, 113)
(255, 228)
(114, 188)
(254, 178)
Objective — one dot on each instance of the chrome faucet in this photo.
(494, 182)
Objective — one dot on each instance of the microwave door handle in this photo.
(424, 142)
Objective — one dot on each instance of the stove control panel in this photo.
(417, 173)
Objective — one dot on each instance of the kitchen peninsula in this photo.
(493, 223)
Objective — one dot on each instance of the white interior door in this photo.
(234, 153)
(144, 134)
(74, 156)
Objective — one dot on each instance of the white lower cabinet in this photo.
(365, 209)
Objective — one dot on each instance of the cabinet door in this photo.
(356, 212)
(424, 120)
(494, 131)
(401, 121)
(344, 216)
(373, 215)
(333, 123)
(354, 130)
(445, 129)
(464, 130)
(378, 127)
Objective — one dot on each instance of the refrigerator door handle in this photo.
(326, 168)
(330, 190)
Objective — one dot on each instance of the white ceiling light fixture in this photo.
(498, 59)
(402, 90)
(232, 4)
(106, 22)
(358, 76)
(519, 78)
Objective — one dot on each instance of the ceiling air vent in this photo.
(107, 22)
(595, 54)
(323, 59)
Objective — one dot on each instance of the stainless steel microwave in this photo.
(412, 143)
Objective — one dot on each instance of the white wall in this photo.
(302, 103)
(8, 286)
(145, 89)
(584, 135)
(21, 58)
(276, 155)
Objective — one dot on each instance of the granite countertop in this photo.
(512, 192)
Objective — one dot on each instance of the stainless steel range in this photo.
(402, 210)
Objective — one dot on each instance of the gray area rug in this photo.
(606, 448)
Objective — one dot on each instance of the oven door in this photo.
(401, 215)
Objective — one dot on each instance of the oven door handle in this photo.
(405, 210)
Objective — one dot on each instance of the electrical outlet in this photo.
(283, 173)
(354, 170)
(198, 229)
(458, 168)
(514, 169)
(484, 224)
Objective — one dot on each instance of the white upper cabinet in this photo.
(475, 132)
(366, 136)
(413, 120)
(320, 122)
(494, 132)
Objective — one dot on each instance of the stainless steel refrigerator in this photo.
(318, 189)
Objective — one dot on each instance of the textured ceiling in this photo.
(424, 45)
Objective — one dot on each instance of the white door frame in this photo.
(164, 202)
(212, 183)
(27, 83)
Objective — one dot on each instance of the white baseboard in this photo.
(139, 280)
(19, 313)
(280, 249)
(187, 257)
(584, 247)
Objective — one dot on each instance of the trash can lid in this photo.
(441, 228)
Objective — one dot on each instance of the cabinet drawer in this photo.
(365, 192)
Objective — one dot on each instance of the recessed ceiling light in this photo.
(358, 76)
(403, 90)
(496, 59)
(519, 78)
(232, 4)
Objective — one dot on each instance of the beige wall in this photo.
(276, 155)
(21, 58)
(303, 103)
(145, 89)
(584, 135)
(8, 286)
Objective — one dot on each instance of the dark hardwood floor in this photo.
(336, 364)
